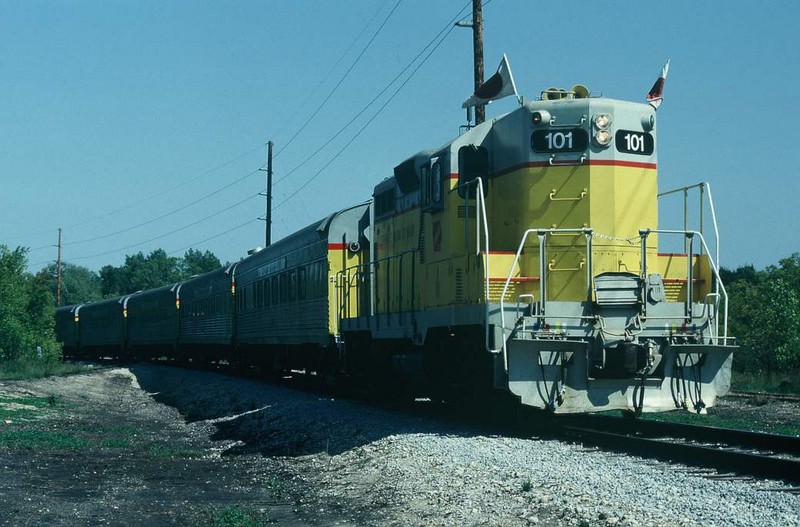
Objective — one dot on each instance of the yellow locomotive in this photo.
(524, 255)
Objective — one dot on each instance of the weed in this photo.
(527, 486)
(39, 440)
(28, 407)
(276, 487)
(743, 423)
(116, 443)
(34, 369)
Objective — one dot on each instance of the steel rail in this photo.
(722, 449)
(707, 434)
(737, 461)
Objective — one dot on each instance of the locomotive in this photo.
(521, 258)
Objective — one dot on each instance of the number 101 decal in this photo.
(561, 140)
(631, 142)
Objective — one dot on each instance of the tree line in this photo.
(764, 313)
(764, 316)
(139, 273)
(27, 301)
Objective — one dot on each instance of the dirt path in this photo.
(97, 449)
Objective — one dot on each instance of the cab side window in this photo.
(432, 185)
(473, 162)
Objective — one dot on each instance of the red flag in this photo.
(656, 94)
(499, 85)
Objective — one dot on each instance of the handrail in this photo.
(347, 272)
(480, 207)
(580, 196)
(702, 186)
(542, 235)
(589, 233)
(712, 263)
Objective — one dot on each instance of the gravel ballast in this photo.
(345, 462)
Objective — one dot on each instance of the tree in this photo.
(765, 316)
(26, 310)
(151, 271)
(140, 272)
(78, 284)
(112, 281)
(746, 273)
(194, 262)
(788, 271)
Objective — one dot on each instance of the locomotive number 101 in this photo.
(640, 143)
(566, 140)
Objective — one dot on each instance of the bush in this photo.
(27, 324)
(765, 317)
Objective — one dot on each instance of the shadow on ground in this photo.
(277, 420)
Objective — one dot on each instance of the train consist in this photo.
(520, 257)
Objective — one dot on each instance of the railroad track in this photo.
(731, 453)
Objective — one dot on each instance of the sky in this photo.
(138, 125)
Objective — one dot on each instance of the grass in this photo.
(235, 517)
(35, 369)
(115, 442)
(766, 382)
(26, 407)
(742, 423)
(39, 440)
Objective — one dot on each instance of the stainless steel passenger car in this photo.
(283, 309)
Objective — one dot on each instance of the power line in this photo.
(437, 40)
(148, 198)
(374, 116)
(248, 222)
(446, 30)
(305, 124)
(330, 72)
(170, 213)
(170, 233)
(342, 79)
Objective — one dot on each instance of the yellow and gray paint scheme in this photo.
(540, 227)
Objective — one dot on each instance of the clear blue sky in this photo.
(119, 117)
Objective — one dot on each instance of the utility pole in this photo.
(268, 215)
(477, 47)
(477, 51)
(58, 280)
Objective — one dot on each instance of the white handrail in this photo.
(713, 264)
(480, 208)
(702, 186)
(542, 233)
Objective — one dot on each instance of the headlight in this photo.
(540, 117)
(602, 121)
(603, 137)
